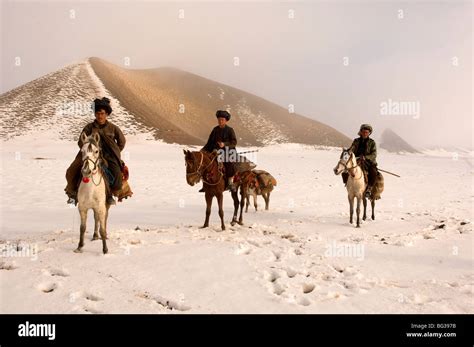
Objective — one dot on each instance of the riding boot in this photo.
(345, 177)
(230, 184)
(72, 198)
(368, 192)
(110, 200)
(109, 196)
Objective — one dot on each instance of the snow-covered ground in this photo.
(300, 256)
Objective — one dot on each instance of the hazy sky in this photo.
(406, 52)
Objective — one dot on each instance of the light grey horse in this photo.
(91, 193)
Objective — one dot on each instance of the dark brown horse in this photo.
(205, 166)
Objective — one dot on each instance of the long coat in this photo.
(112, 139)
(218, 134)
(370, 152)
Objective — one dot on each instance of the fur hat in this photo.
(365, 127)
(102, 104)
(223, 114)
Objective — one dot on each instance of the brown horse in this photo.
(201, 165)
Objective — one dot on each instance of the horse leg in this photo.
(254, 196)
(358, 211)
(208, 209)
(372, 202)
(243, 195)
(364, 217)
(247, 203)
(267, 200)
(220, 199)
(106, 219)
(351, 207)
(96, 226)
(235, 197)
(102, 213)
(83, 214)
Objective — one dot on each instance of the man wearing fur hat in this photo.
(223, 138)
(112, 143)
(365, 149)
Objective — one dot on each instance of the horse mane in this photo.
(344, 151)
(91, 140)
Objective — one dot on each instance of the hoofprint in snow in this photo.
(300, 256)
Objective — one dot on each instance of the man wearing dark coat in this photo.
(223, 139)
(365, 149)
(112, 143)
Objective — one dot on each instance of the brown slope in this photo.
(154, 96)
(392, 142)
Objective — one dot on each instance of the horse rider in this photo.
(223, 139)
(365, 149)
(112, 143)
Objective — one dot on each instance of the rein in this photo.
(95, 168)
(200, 173)
(349, 169)
(197, 170)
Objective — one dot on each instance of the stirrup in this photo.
(111, 201)
(368, 192)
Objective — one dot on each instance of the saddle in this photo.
(255, 179)
(213, 174)
(264, 179)
(364, 170)
(125, 192)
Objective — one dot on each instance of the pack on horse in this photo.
(216, 164)
(261, 183)
(358, 166)
(97, 173)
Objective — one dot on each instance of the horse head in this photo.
(90, 153)
(195, 162)
(344, 160)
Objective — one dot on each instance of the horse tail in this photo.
(378, 187)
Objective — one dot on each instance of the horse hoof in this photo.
(203, 227)
(223, 228)
(241, 223)
(357, 226)
(373, 218)
(105, 251)
(95, 238)
(364, 218)
(78, 250)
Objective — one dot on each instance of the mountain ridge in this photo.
(170, 104)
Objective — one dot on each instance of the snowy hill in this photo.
(58, 105)
(392, 142)
(168, 104)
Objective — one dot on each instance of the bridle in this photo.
(96, 168)
(197, 170)
(349, 169)
(201, 172)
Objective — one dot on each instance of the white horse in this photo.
(355, 184)
(92, 190)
